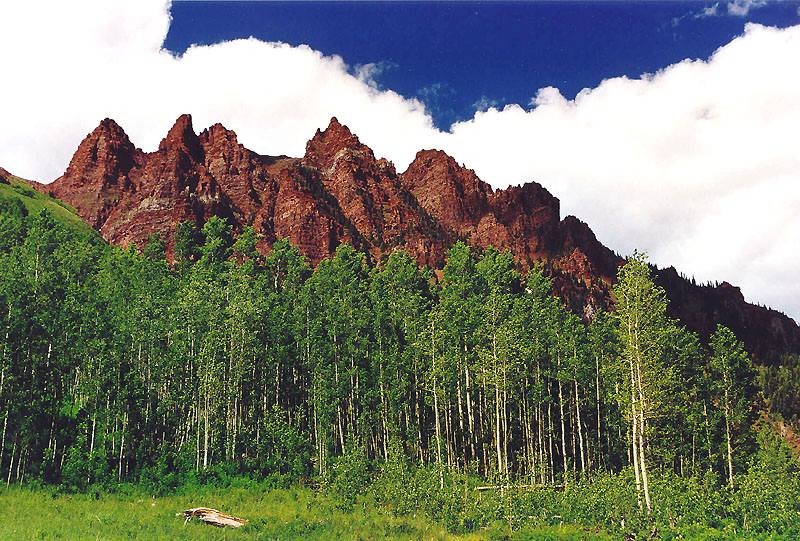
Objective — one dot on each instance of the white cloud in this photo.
(709, 11)
(698, 163)
(484, 103)
(370, 72)
(734, 8)
(741, 8)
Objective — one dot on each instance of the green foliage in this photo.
(186, 244)
(732, 386)
(390, 388)
(12, 222)
(350, 475)
(244, 248)
(75, 471)
(155, 249)
(217, 242)
(779, 384)
(36, 202)
(768, 499)
(285, 450)
(169, 472)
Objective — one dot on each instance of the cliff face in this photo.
(340, 192)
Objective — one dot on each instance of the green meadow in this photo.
(285, 514)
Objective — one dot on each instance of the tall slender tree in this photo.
(732, 376)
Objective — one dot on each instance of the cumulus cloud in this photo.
(698, 163)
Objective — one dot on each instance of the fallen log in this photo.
(212, 517)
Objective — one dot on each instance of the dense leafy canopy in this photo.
(115, 366)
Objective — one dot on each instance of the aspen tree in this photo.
(643, 330)
(732, 381)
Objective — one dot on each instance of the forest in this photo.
(471, 394)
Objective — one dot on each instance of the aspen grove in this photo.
(113, 361)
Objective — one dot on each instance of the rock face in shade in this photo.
(339, 192)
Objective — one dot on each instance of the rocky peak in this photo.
(105, 155)
(108, 129)
(323, 150)
(442, 163)
(576, 234)
(218, 135)
(181, 138)
(529, 198)
(451, 193)
(731, 291)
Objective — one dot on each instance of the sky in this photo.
(459, 57)
(670, 127)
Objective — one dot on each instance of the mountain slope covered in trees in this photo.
(339, 192)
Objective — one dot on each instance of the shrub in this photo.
(768, 497)
(350, 475)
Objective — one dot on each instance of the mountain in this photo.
(14, 187)
(339, 192)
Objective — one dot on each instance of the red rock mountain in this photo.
(339, 192)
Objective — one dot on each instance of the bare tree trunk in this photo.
(470, 415)
(448, 434)
(708, 435)
(418, 411)
(11, 463)
(728, 438)
(206, 428)
(563, 430)
(642, 403)
(497, 430)
(506, 432)
(384, 406)
(436, 407)
(580, 431)
(550, 437)
(122, 447)
(645, 484)
(634, 437)
(3, 440)
(597, 402)
(461, 441)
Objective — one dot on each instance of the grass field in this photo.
(285, 514)
(35, 202)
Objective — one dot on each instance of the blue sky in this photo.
(459, 57)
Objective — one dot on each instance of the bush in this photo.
(350, 475)
(75, 471)
(170, 472)
(768, 496)
(283, 449)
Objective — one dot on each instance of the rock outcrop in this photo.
(340, 192)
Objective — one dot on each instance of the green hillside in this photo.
(13, 187)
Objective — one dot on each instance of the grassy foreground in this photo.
(285, 514)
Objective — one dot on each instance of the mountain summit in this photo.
(339, 192)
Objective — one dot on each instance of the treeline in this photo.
(112, 361)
